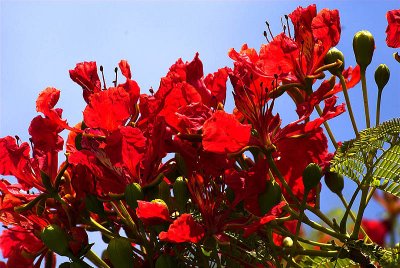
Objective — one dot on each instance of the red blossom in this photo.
(19, 246)
(222, 133)
(152, 213)
(107, 109)
(377, 230)
(393, 28)
(183, 229)
(85, 75)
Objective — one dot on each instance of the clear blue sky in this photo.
(41, 41)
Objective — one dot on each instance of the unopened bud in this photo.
(133, 193)
(287, 242)
(332, 56)
(94, 205)
(120, 252)
(363, 46)
(164, 192)
(335, 182)
(382, 75)
(312, 175)
(56, 239)
(270, 197)
(181, 192)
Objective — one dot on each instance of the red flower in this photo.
(393, 28)
(108, 109)
(85, 75)
(15, 160)
(20, 247)
(152, 213)
(377, 229)
(183, 229)
(222, 133)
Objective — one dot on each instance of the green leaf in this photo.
(354, 158)
(326, 262)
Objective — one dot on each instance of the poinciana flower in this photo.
(287, 60)
(393, 28)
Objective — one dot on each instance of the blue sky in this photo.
(41, 41)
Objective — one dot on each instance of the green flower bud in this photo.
(133, 193)
(164, 192)
(363, 46)
(382, 75)
(332, 56)
(120, 252)
(181, 192)
(312, 175)
(287, 242)
(94, 205)
(335, 182)
(181, 165)
(270, 197)
(56, 239)
(165, 261)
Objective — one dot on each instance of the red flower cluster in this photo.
(173, 168)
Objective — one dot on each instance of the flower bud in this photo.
(382, 75)
(94, 205)
(133, 193)
(312, 175)
(335, 182)
(165, 261)
(332, 56)
(363, 46)
(181, 192)
(287, 242)
(270, 197)
(120, 252)
(56, 239)
(164, 192)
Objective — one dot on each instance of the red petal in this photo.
(125, 69)
(108, 109)
(222, 133)
(133, 148)
(85, 75)
(151, 213)
(326, 27)
(393, 28)
(183, 229)
(45, 103)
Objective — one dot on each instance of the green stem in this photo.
(327, 128)
(353, 217)
(365, 97)
(275, 169)
(347, 98)
(360, 213)
(96, 260)
(343, 222)
(102, 229)
(378, 107)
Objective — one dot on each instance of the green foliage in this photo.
(318, 262)
(372, 158)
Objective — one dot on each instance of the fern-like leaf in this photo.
(382, 144)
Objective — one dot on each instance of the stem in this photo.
(102, 229)
(275, 169)
(327, 128)
(378, 107)
(343, 222)
(350, 110)
(353, 217)
(363, 205)
(96, 260)
(365, 97)
(301, 215)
